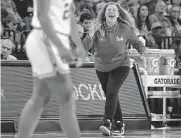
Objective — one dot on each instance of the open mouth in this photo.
(111, 16)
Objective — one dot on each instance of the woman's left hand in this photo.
(132, 61)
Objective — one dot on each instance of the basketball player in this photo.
(48, 49)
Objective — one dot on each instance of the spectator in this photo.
(174, 17)
(11, 22)
(15, 28)
(95, 3)
(130, 5)
(157, 33)
(86, 23)
(27, 21)
(144, 27)
(10, 8)
(176, 45)
(174, 3)
(87, 9)
(178, 53)
(142, 22)
(7, 48)
(158, 16)
(4, 14)
(133, 7)
(151, 4)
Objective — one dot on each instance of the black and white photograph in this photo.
(90, 69)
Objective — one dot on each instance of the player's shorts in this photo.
(40, 58)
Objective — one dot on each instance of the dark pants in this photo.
(111, 83)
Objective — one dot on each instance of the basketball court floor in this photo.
(157, 133)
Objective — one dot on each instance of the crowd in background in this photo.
(157, 20)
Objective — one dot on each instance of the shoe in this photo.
(119, 128)
(105, 128)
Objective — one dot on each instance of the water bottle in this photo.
(170, 112)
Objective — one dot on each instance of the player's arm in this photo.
(46, 22)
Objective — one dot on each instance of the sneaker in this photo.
(105, 128)
(119, 127)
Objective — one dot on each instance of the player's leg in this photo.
(33, 108)
(62, 86)
(41, 66)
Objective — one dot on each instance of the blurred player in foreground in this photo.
(48, 50)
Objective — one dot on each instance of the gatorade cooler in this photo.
(169, 62)
(153, 61)
(136, 56)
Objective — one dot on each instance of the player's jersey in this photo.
(59, 14)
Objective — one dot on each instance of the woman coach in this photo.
(112, 62)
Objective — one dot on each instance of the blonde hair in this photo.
(124, 16)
